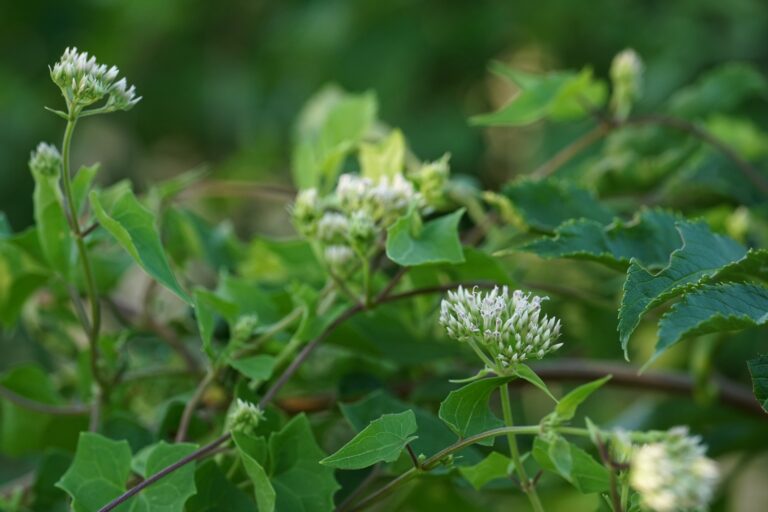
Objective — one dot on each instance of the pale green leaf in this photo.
(526, 373)
(52, 226)
(383, 159)
(566, 408)
(215, 493)
(383, 440)
(494, 467)
(409, 243)
(99, 472)
(133, 226)
(253, 453)
(583, 471)
(256, 368)
(170, 493)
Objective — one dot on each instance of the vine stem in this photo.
(436, 459)
(92, 330)
(189, 409)
(514, 453)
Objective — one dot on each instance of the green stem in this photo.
(525, 482)
(90, 284)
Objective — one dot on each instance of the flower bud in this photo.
(244, 417)
(306, 211)
(244, 328)
(333, 227)
(626, 75)
(338, 258)
(45, 160)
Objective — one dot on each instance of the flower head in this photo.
(306, 211)
(244, 417)
(384, 200)
(45, 160)
(338, 258)
(333, 227)
(510, 329)
(83, 81)
(674, 473)
(626, 75)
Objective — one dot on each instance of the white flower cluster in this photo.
(348, 221)
(244, 417)
(510, 329)
(83, 82)
(674, 474)
(45, 160)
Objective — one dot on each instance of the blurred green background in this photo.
(222, 81)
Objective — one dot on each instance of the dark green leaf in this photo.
(217, 494)
(133, 226)
(466, 410)
(702, 255)
(758, 369)
(546, 204)
(409, 243)
(383, 440)
(99, 472)
(302, 484)
(713, 308)
(649, 238)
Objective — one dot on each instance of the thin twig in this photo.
(35, 406)
(189, 408)
(235, 188)
(608, 461)
(413, 456)
(571, 151)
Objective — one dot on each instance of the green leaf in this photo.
(546, 204)
(171, 492)
(580, 469)
(329, 127)
(719, 91)
(410, 244)
(559, 96)
(133, 226)
(208, 306)
(255, 368)
(52, 225)
(82, 183)
(301, 483)
(526, 373)
(24, 431)
(434, 435)
(566, 408)
(381, 441)
(253, 452)
(215, 493)
(713, 308)
(702, 255)
(21, 274)
(466, 410)
(494, 467)
(385, 158)
(758, 369)
(99, 472)
(649, 238)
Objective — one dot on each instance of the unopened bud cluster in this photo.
(83, 81)
(626, 77)
(508, 328)
(347, 222)
(674, 473)
(45, 160)
(244, 417)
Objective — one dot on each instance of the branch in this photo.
(572, 150)
(681, 125)
(271, 392)
(34, 405)
(233, 188)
